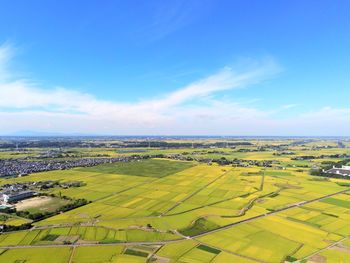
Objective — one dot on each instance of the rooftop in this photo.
(344, 170)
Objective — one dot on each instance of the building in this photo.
(5, 207)
(16, 196)
(344, 170)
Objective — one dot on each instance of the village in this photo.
(20, 167)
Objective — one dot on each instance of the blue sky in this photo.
(175, 67)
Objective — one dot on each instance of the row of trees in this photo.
(311, 157)
(9, 228)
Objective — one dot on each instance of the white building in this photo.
(344, 170)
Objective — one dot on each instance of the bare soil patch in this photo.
(33, 202)
(41, 204)
(317, 259)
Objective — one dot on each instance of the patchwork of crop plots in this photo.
(54, 255)
(181, 211)
(80, 234)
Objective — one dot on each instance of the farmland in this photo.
(254, 202)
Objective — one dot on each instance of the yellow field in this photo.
(188, 210)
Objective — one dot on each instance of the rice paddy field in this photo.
(12, 220)
(167, 210)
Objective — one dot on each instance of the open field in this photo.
(189, 211)
(55, 255)
(148, 168)
(41, 203)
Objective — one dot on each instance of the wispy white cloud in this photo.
(169, 17)
(225, 79)
(192, 109)
(20, 99)
(328, 113)
(289, 106)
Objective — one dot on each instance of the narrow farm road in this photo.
(191, 237)
(194, 193)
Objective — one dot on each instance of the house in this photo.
(344, 170)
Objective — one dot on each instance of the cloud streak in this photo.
(197, 108)
(23, 99)
(169, 17)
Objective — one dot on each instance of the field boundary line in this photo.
(191, 237)
(325, 248)
(72, 254)
(230, 252)
(270, 213)
(194, 193)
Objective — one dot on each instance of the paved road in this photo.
(270, 213)
(326, 248)
(94, 245)
(192, 237)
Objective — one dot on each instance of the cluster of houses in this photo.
(22, 186)
(59, 153)
(18, 167)
(322, 156)
(223, 161)
(344, 170)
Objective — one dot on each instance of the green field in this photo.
(36, 255)
(148, 168)
(199, 211)
(337, 202)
